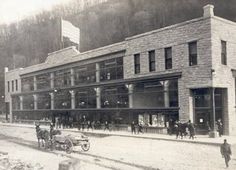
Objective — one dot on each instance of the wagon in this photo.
(68, 142)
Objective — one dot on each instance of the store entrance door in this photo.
(202, 121)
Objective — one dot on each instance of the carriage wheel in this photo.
(68, 146)
(85, 146)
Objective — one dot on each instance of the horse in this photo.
(53, 131)
(42, 136)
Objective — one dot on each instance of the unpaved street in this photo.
(115, 153)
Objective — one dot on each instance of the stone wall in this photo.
(225, 30)
(177, 37)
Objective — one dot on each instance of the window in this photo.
(192, 48)
(8, 86)
(12, 85)
(111, 69)
(152, 61)
(168, 58)
(223, 53)
(16, 85)
(136, 63)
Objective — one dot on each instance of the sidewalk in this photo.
(200, 139)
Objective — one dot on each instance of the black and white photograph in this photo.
(117, 84)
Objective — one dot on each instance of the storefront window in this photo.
(85, 74)
(156, 94)
(202, 98)
(44, 101)
(28, 102)
(114, 97)
(16, 103)
(62, 99)
(85, 98)
(111, 69)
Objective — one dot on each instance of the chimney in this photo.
(6, 69)
(208, 11)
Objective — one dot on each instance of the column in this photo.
(166, 94)
(52, 80)
(97, 72)
(72, 77)
(52, 100)
(98, 97)
(213, 132)
(72, 93)
(131, 99)
(35, 101)
(21, 102)
(35, 83)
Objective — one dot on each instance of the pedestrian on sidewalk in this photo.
(177, 129)
(106, 126)
(225, 150)
(89, 125)
(140, 127)
(191, 129)
(133, 131)
(220, 127)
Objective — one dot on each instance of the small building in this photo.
(181, 72)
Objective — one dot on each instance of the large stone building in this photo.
(184, 71)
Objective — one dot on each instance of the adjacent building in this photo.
(181, 72)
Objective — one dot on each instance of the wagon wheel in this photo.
(68, 146)
(85, 146)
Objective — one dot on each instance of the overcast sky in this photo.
(15, 10)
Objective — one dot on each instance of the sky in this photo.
(15, 10)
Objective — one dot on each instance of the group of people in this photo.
(87, 124)
(182, 129)
(136, 128)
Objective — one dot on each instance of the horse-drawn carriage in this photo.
(68, 142)
(55, 140)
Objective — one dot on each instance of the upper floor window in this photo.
(223, 53)
(136, 63)
(85, 74)
(168, 58)
(16, 85)
(43, 81)
(192, 48)
(152, 60)
(27, 84)
(12, 85)
(62, 78)
(8, 86)
(111, 69)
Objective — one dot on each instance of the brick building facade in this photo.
(184, 71)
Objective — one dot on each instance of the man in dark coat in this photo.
(225, 150)
(191, 130)
(133, 128)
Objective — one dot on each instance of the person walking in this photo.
(140, 127)
(106, 126)
(133, 131)
(220, 127)
(191, 129)
(225, 150)
(177, 129)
